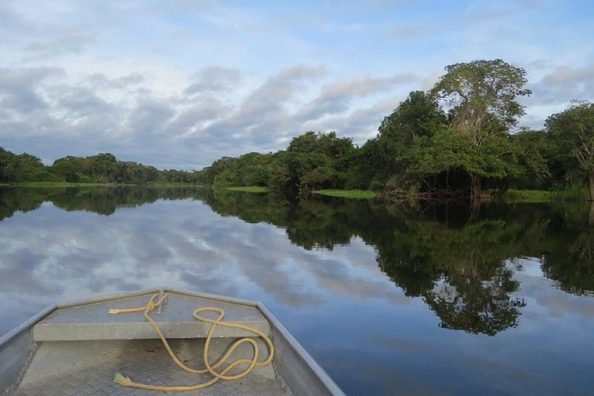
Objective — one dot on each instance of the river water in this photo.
(432, 299)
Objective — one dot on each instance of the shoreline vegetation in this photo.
(509, 196)
(573, 193)
(527, 196)
(352, 194)
(63, 184)
(251, 189)
(459, 140)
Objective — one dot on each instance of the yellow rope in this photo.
(212, 369)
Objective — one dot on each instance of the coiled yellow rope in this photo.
(212, 369)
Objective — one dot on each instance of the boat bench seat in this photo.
(93, 322)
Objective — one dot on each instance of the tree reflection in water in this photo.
(461, 264)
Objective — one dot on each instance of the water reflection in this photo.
(568, 258)
(498, 301)
(458, 266)
(101, 200)
(53, 256)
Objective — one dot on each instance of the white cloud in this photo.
(408, 31)
(214, 78)
(337, 97)
(179, 84)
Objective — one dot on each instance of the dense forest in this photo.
(101, 168)
(458, 139)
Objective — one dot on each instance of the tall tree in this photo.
(417, 116)
(533, 150)
(573, 129)
(415, 119)
(317, 160)
(481, 99)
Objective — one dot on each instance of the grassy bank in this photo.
(56, 184)
(252, 189)
(172, 185)
(528, 196)
(572, 193)
(354, 194)
(63, 184)
(568, 194)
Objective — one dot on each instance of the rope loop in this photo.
(212, 369)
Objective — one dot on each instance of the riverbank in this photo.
(252, 189)
(526, 196)
(59, 184)
(63, 184)
(539, 196)
(510, 196)
(353, 194)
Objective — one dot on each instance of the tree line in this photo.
(100, 168)
(456, 139)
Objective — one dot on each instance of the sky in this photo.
(180, 83)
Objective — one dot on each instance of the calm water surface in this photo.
(388, 299)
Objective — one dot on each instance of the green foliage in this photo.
(225, 178)
(573, 130)
(20, 168)
(252, 189)
(533, 152)
(312, 161)
(318, 161)
(253, 169)
(389, 156)
(279, 177)
(532, 196)
(355, 194)
(481, 96)
(372, 164)
(421, 151)
(571, 193)
(65, 170)
(101, 168)
(249, 169)
(417, 116)
(440, 152)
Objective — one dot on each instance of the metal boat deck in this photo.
(75, 349)
(92, 321)
(92, 366)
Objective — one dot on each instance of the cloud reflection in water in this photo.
(50, 256)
